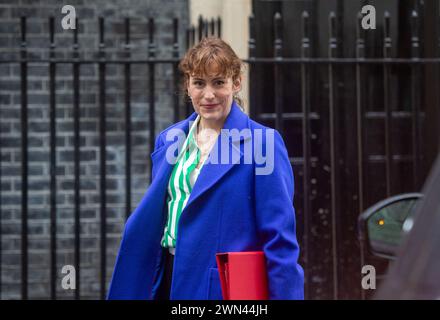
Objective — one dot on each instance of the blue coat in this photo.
(230, 209)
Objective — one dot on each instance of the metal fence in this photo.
(75, 61)
(335, 156)
(305, 159)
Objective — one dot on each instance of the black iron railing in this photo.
(306, 161)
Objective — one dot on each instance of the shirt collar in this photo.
(192, 133)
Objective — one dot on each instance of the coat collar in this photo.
(212, 171)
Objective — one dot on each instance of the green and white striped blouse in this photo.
(180, 185)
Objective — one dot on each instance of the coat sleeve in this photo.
(275, 216)
(118, 288)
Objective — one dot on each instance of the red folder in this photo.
(243, 275)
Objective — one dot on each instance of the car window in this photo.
(385, 227)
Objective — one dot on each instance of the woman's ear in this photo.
(187, 91)
(187, 82)
(236, 85)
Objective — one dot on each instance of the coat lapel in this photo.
(159, 159)
(213, 171)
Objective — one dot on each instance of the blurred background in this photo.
(359, 110)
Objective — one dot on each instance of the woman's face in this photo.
(212, 96)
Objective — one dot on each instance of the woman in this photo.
(212, 191)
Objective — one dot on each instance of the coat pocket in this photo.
(214, 287)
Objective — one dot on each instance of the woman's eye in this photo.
(219, 82)
(198, 83)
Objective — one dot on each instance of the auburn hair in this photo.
(209, 52)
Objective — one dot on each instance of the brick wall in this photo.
(88, 12)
